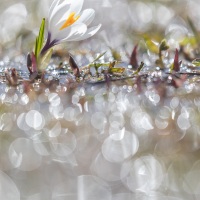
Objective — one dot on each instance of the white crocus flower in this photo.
(66, 22)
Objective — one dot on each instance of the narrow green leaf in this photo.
(119, 70)
(40, 39)
(116, 55)
(191, 40)
(139, 68)
(98, 57)
(99, 64)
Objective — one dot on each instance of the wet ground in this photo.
(119, 140)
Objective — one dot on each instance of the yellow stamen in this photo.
(70, 20)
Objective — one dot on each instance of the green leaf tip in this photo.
(163, 45)
(40, 39)
(139, 68)
(196, 62)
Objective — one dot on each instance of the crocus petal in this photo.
(53, 5)
(87, 16)
(74, 31)
(54, 8)
(57, 14)
(76, 6)
(89, 33)
(66, 23)
(55, 29)
(63, 12)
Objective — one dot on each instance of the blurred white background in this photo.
(120, 19)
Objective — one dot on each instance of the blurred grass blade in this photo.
(139, 68)
(119, 70)
(99, 64)
(40, 39)
(116, 55)
(98, 57)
